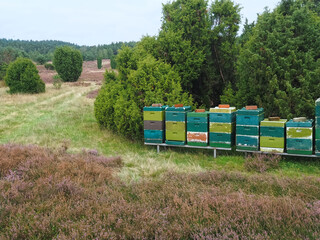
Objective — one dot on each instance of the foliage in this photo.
(279, 67)
(139, 83)
(23, 77)
(262, 162)
(99, 62)
(68, 63)
(45, 49)
(40, 59)
(7, 55)
(113, 62)
(77, 195)
(57, 82)
(49, 66)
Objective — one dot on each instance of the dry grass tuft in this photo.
(48, 194)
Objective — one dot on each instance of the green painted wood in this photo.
(198, 114)
(248, 148)
(197, 127)
(176, 116)
(267, 131)
(178, 109)
(272, 142)
(176, 135)
(318, 111)
(153, 115)
(223, 110)
(244, 111)
(155, 109)
(222, 127)
(176, 126)
(179, 143)
(318, 133)
(307, 124)
(299, 152)
(220, 145)
(317, 145)
(317, 153)
(267, 123)
(247, 130)
(299, 144)
(146, 140)
(299, 132)
(198, 144)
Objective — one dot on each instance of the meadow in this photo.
(62, 177)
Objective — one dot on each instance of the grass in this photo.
(60, 188)
(64, 116)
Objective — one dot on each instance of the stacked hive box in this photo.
(272, 135)
(318, 127)
(300, 137)
(247, 128)
(176, 125)
(197, 128)
(222, 123)
(154, 124)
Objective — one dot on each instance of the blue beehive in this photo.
(248, 128)
(154, 128)
(222, 122)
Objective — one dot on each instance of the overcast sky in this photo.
(92, 22)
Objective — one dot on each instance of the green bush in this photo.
(3, 70)
(119, 105)
(23, 77)
(68, 63)
(99, 62)
(113, 62)
(49, 66)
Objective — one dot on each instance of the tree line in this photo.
(42, 51)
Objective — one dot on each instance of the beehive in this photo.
(272, 135)
(154, 124)
(197, 128)
(317, 126)
(222, 126)
(248, 128)
(300, 137)
(176, 124)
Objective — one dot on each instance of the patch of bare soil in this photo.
(90, 72)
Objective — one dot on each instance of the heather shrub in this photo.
(55, 195)
(49, 66)
(262, 162)
(23, 77)
(68, 63)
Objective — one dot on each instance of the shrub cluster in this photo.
(119, 105)
(23, 77)
(99, 62)
(68, 63)
(49, 66)
(55, 195)
(262, 162)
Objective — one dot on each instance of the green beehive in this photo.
(300, 137)
(272, 135)
(153, 117)
(176, 124)
(222, 127)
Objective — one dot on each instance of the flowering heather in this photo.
(56, 195)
